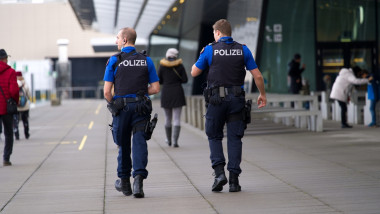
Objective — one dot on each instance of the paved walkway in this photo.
(69, 166)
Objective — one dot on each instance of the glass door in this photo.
(331, 57)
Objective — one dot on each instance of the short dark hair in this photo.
(223, 26)
(129, 34)
(297, 56)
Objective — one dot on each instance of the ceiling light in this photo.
(174, 9)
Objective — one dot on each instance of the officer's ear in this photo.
(125, 41)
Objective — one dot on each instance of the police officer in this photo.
(134, 77)
(225, 96)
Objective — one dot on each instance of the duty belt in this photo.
(131, 99)
(122, 101)
(224, 91)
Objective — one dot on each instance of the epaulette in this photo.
(212, 43)
(117, 56)
(143, 52)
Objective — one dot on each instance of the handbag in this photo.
(11, 104)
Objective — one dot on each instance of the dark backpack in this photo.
(23, 99)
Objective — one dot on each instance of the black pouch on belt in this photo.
(144, 106)
(215, 98)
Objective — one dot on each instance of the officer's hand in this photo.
(261, 101)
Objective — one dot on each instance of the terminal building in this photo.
(328, 34)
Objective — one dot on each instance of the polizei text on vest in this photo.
(136, 62)
(228, 52)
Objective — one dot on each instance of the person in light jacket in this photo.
(341, 89)
(22, 108)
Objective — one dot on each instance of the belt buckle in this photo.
(222, 92)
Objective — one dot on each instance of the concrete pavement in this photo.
(69, 166)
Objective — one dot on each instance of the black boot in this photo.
(124, 185)
(176, 131)
(168, 131)
(138, 187)
(220, 178)
(234, 182)
(17, 135)
(26, 131)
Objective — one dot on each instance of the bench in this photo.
(279, 108)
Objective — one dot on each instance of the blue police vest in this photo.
(227, 67)
(132, 74)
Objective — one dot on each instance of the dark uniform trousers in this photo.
(122, 131)
(216, 117)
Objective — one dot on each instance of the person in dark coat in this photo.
(294, 73)
(172, 74)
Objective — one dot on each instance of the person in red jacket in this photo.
(8, 84)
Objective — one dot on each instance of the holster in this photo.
(207, 95)
(247, 112)
(147, 128)
(150, 127)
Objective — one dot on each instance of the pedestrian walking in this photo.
(8, 90)
(130, 73)
(172, 75)
(22, 108)
(227, 61)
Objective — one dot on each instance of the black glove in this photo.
(112, 108)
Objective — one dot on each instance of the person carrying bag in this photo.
(8, 104)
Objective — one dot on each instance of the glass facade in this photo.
(188, 29)
(328, 34)
(244, 16)
(345, 20)
(347, 41)
(285, 34)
